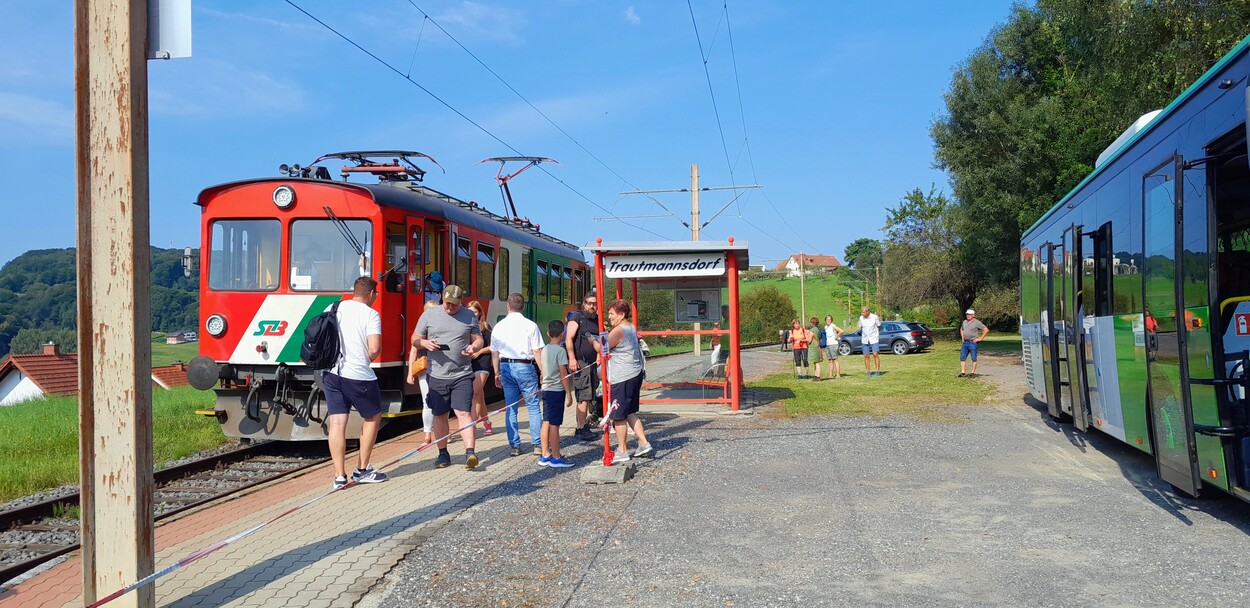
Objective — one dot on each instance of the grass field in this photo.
(39, 439)
(917, 385)
(164, 354)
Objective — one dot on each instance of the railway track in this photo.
(35, 534)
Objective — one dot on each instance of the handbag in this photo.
(419, 365)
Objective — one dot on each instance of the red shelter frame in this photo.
(659, 265)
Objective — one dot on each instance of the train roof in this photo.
(1159, 119)
(428, 201)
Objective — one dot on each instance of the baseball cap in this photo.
(970, 312)
(452, 294)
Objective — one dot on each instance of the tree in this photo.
(31, 341)
(863, 253)
(924, 259)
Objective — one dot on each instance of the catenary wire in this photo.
(447, 105)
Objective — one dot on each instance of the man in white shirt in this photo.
(870, 339)
(515, 345)
(352, 383)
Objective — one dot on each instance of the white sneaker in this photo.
(643, 451)
(619, 456)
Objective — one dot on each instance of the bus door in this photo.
(1074, 323)
(1171, 419)
(1052, 324)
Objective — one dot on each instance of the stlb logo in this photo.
(270, 328)
(1241, 323)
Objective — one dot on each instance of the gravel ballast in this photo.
(1004, 507)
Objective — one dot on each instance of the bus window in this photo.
(555, 285)
(568, 285)
(485, 271)
(243, 255)
(542, 282)
(322, 260)
(504, 266)
(464, 265)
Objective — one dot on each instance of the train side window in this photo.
(579, 282)
(464, 263)
(555, 285)
(396, 258)
(504, 272)
(416, 266)
(485, 271)
(541, 275)
(526, 284)
(568, 285)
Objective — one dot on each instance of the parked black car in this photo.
(898, 337)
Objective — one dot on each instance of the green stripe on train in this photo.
(290, 353)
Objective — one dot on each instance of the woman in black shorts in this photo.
(481, 369)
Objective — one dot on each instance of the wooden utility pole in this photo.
(694, 236)
(114, 312)
(802, 291)
(879, 290)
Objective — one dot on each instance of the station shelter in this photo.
(696, 272)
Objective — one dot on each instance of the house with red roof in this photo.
(53, 373)
(810, 264)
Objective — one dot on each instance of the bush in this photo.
(765, 311)
(999, 307)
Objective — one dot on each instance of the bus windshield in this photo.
(244, 255)
(322, 259)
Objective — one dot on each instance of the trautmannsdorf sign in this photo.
(666, 265)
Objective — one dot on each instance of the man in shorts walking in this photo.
(352, 383)
(972, 330)
(870, 335)
(581, 340)
(450, 334)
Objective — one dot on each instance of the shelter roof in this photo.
(737, 248)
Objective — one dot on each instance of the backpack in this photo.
(823, 339)
(320, 349)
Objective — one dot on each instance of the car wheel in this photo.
(899, 347)
(844, 348)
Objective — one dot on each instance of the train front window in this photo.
(323, 259)
(243, 255)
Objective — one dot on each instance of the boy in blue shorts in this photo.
(554, 366)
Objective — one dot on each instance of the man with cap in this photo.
(515, 345)
(581, 340)
(972, 330)
(450, 334)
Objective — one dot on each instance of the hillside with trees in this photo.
(1027, 113)
(38, 298)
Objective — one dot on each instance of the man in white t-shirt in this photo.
(870, 339)
(352, 383)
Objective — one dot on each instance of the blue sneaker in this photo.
(559, 463)
(443, 460)
(369, 475)
(340, 482)
(543, 461)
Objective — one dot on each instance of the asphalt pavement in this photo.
(995, 505)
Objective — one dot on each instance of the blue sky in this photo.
(828, 109)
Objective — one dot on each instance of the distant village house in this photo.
(182, 337)
(53, 373)
(811, 264)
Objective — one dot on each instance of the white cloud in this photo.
(632, 16)
(475, 21)
(216, 88)
(43, 118)
(303, 26)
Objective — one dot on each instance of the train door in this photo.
(1074, 322)
(1056, 361)
(415, 277)
(1168, 402)
(434, 251)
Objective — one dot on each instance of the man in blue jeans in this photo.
(972, 330)
(515, 345)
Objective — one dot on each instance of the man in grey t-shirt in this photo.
(450, 333)
(972, 330)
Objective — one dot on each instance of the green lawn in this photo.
(164, 354)
(39, 439)
(917, 385)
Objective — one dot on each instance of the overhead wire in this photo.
(521, 96)
(447, 105)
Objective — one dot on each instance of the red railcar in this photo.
(277, 251)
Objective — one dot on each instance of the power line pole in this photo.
(802, 291)
(694, 236)
(114, 310)
(879, 311)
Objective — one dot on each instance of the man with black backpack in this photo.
(581, 337)
(350, 381)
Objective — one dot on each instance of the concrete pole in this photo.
(114, 312)
(694, 236)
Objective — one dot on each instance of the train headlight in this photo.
(215, 325)
(284, 196)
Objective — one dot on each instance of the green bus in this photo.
(1135, 289)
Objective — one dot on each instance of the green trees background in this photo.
(1028, 112)
(38, 298)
